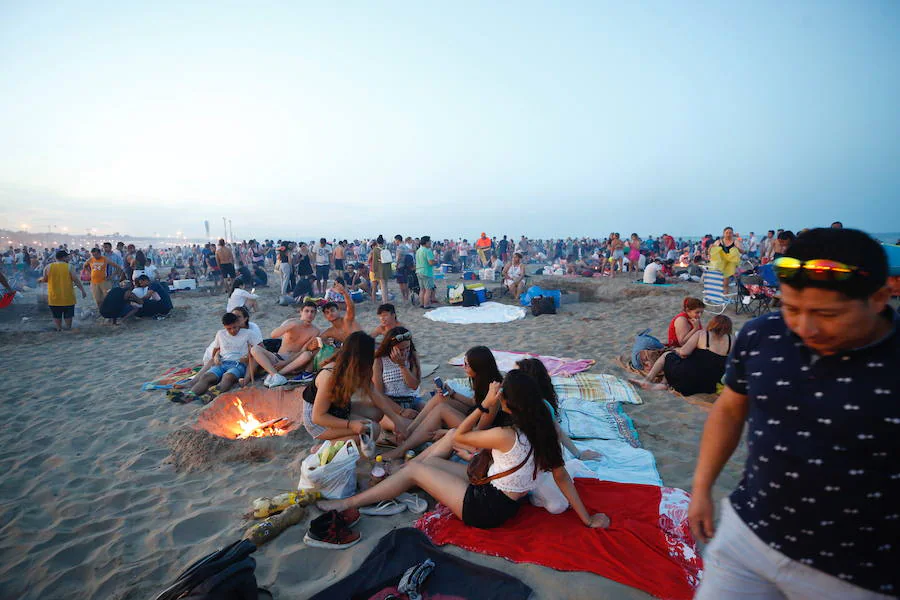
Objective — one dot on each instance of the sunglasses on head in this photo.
(819, 269)
(403, 337)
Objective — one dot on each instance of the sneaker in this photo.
(276, 380)
(349, 517)
(335, 536)
(267, 379)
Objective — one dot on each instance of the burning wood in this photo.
(253, 427)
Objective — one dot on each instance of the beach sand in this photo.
(92, 506)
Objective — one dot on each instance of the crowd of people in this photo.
(813, 382)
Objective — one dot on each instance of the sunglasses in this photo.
(819, 269)
(402, 337)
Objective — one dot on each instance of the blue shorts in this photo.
(322, 272)
(236, 368)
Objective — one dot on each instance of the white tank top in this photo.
(522, 480)
(394, 385)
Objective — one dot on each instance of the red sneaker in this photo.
(349, 517)
(335, 537)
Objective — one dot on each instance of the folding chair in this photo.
(713, 297)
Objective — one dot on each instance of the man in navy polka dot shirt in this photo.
(817, 512)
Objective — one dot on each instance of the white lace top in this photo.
(522, 480)
(394, 385)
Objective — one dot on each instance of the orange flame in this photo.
(253, 427)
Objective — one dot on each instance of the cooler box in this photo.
(480, 291)
(469, 275)
(184, 284)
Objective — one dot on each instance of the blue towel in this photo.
(643, 341)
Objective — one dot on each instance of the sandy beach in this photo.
(91, 505)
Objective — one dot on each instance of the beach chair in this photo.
(713, 298)
(754, 294)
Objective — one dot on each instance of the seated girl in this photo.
(514, 276)
(397, 372)
(174, 275)
(698, 366)
(686, 324)
(536, 369)
(520, 450)
(345, 403)
(447, 408)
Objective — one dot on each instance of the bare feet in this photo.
(646, 385)
(337, 505)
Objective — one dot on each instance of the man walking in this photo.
(425, 271)
(97, 265)
(323, 265)
(817, 512)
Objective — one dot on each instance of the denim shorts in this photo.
(236, 368)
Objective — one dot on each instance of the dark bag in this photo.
(543, 305)
(470, 298)
(227, 574)
(481, 463)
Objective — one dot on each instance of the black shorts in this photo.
(339, 264)
(228, 270)
(322, 272)
(486, 507)
(62, 312)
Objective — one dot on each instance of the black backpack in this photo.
(226, 574)
(543, 305)
(470, 298)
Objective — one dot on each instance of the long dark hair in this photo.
(390, 340)
(538, 372)
(140, 260)
(530, 416)
(243, 310)
(481, 360)
(352, 367)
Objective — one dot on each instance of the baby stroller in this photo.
(414, 288)
(756, 291)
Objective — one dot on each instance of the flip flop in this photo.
(385, 508)
(413, 502)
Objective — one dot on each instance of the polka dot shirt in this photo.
(822, 480)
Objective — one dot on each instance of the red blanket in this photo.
(648, 546)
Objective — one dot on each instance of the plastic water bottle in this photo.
(378, 472)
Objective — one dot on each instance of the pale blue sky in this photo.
(359, 118)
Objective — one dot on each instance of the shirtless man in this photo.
(387, 314)
(341, 326)
(225, 258)
(295, 334)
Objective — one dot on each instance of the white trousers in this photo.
(737, 564)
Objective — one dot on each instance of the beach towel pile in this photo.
(506, 361)
(649, 545)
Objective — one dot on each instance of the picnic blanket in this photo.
(506, 361)
(489, 312)
(171, 377)
(647, 546)
(453, 577)
(594, 387)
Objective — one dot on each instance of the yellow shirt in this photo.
(59, 285)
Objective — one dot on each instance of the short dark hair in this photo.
(849, 246)
(61, 254)
(95, 249)
(311, 303)
(323, 241)
(238, 282)
(398, 237)
(424, 239)
(141, 277)
(328, 305)
(787, 235)
(229, 319)
(388, 308)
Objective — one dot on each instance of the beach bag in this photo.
(487, 274)
(547, 494)
(337, 478)
(470, 298)
(543, 305)
(455, 293)
(386, 257)
(535, 291)
(481, 463)
(226, 574)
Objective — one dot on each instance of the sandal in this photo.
(385, 508)
(413, 502)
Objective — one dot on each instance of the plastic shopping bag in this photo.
(335, 479)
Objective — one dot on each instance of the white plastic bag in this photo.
(335, 480)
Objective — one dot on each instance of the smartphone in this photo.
(253, 291)
(439, 383)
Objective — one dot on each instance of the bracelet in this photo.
(481, 407)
